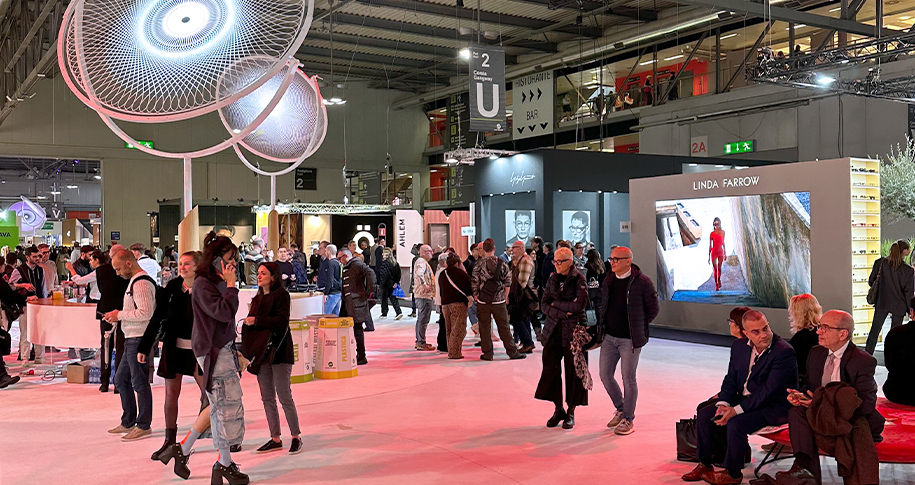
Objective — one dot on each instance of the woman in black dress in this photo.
(804, 312)
(174, 319)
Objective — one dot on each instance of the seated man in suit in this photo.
(752, 397)
(835, 359)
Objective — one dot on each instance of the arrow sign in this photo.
(533, 112)
(539, 93)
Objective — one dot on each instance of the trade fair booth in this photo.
(795, 228)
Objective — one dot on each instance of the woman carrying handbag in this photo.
(268, 319)
(893, 281)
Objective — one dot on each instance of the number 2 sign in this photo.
(698, 146)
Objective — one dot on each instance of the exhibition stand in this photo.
(783, 230)
(62, 324)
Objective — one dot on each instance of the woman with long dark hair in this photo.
(594, 273)
(896, 286)
(269, 316)
(716, 251)
(175, 317)
(90, 280)
(214, 302)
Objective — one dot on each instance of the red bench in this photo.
(898, 445)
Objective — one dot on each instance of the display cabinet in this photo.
(865, 239)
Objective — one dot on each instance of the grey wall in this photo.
(616, 210)
(830, 234)
(54, 124)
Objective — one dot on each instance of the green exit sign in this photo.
(745, 146)
(147, 144)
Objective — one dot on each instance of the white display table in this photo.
(63, 324)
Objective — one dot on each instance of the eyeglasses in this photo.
(557, 261)
(828, 327)
(617, 260)
(577, 228)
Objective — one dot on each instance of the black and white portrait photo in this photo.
(576, 227)
(519, 226)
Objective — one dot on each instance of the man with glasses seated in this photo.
(836, 359)
(762, 368)
(629, 303)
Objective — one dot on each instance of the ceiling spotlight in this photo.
(460, 3)
(579, 18)
(619, 45)
(451, 160)
(97, 177)
(55, 192)
(491, 157)
(825, 80)
(2, 181)
(464, 53)
(465, 31)
(72, 186)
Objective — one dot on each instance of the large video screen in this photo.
(751, 250)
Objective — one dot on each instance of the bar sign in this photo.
(745, 146)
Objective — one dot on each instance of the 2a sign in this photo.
(698, 146)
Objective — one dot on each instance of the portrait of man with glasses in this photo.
(521, 223)
(577, 227)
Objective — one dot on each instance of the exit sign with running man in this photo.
(745, 146)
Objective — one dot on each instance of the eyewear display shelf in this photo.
(865, 239)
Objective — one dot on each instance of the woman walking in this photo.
(388, 276)
(564, 300)
(269, 316)
(215, 301)
(174, 318)
(457, 296)
(896, 283)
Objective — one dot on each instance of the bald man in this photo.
(629, 303)
(139, 304)
(112, 288)
(423, 291)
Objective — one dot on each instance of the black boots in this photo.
(174, 451)
(171, 436)
(230, 473)
(360, 350)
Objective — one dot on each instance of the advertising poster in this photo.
(519, 226)
(576, 227)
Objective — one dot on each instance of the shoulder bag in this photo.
(875, 288)
(269, 354)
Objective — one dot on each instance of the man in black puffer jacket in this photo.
(629, 303)
(358, 285)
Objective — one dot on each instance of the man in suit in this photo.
(112, 288)
(753, 396)
(836, 359)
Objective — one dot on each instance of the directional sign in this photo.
(532, 101)
(487, 88)
(745, 146)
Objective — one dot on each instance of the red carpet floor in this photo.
(408, 418)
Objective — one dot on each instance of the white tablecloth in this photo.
(63, 324)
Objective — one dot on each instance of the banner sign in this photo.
(532, 99)
(458, 121)
(409, 232)
(487, 88)
(306, 179)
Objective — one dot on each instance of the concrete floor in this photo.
(408, 418)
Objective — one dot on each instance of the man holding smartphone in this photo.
(836, 359)
(753, 395)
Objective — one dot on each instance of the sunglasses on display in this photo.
(861, 307)
(862, 280)
(864, 170)
(865, 197)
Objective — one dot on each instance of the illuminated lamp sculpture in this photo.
(153, 61)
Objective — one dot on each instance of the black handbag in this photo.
(595, 329)
(6, 342)
(875, 288)
(268, 356)
(686, 440)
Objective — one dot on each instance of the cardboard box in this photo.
(303, 347)
(78, 374)
(335, 352)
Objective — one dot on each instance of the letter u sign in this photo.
(488, 113)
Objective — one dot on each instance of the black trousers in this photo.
(555, 356)
(877, 325)
(441, 339)
(116, 339)
(804, 443)
(735, 434)
(387, 294)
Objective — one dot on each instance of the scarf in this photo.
(580, 338)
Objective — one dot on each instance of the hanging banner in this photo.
(409, 232)
(458, 121)
(532, 100)
(487, 88)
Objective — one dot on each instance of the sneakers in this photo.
(617, 417)
(120, 430)
(412, 315)
(398, 317)
(137, 434)
(425, 347)
(8, 380)
(296, 447)
(624, 427)
(271, 446)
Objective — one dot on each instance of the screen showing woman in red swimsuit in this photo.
(716, 252)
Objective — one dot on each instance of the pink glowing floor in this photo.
(408, 418)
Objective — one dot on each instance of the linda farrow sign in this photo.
(725, 182)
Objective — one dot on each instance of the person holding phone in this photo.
(753, 395)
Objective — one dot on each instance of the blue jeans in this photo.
(131, 377)
(521, 323)
(332, 305)
(612, 350)
(227, 414)
(472, 313)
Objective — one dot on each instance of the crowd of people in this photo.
(568, 299)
